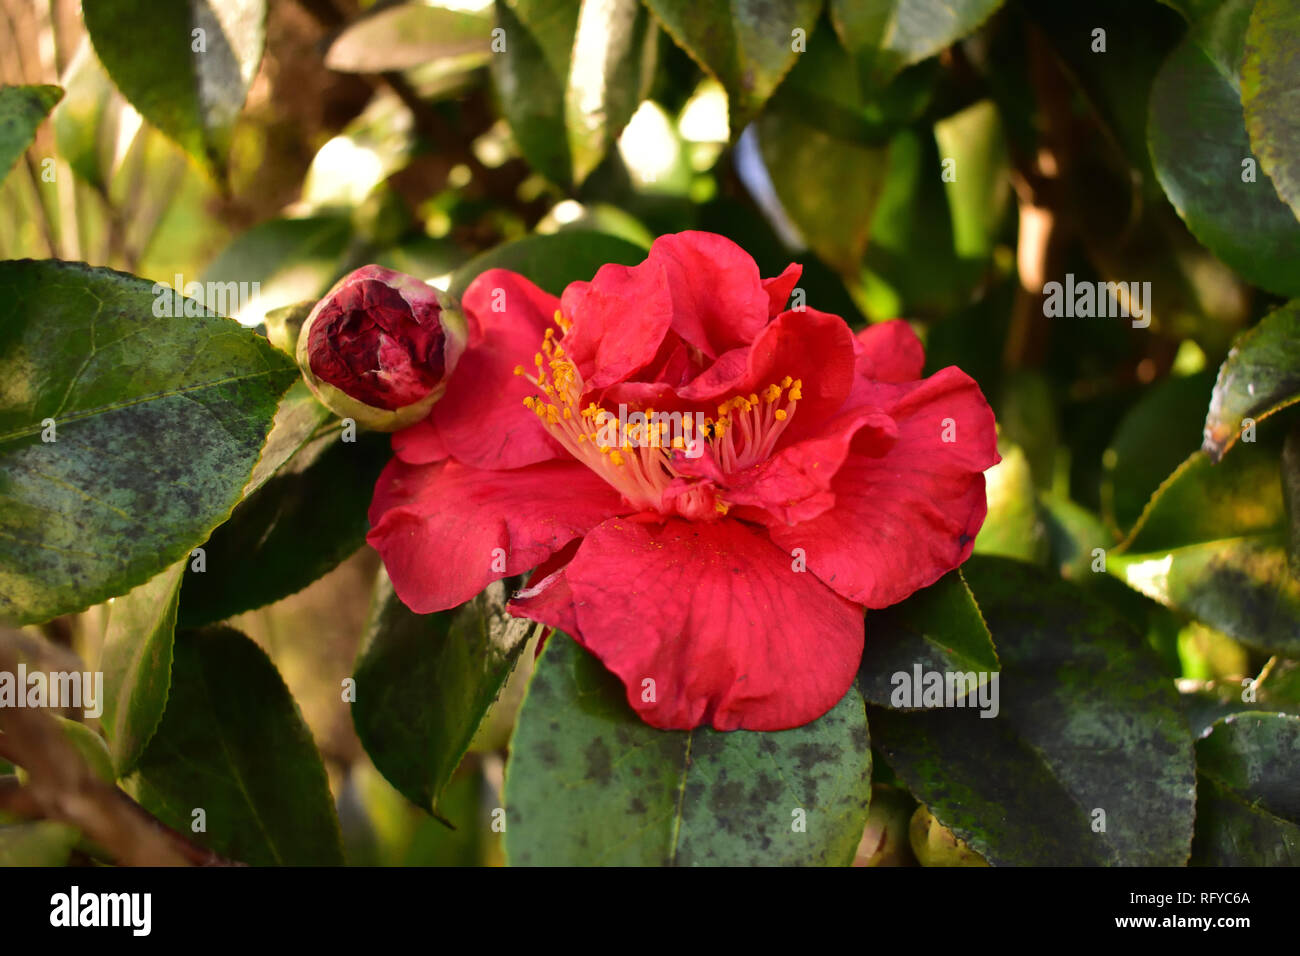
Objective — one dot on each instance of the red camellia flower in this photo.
(709, 487)
(379, 347)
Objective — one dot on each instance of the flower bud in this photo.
(380, 347)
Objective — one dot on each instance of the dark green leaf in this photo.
(1261, 376)
(1198, 142)
(1153, 439)
(300, 524)
(201, 59)
(1213, 543)
(1219, 27)
(938, 628)
(425, 682)
(1023, 787)
(22, 110)
(551, 262)
(590, 784)
(749, 45)
(888, 35)
(1270, 75)
(137, 665)
(157, 422)
(1248, 797)
(530, 76)
(233, 744)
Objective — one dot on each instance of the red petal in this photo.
(619, 321)
(481, 419)
(719, 301)
(890, 352)
(715, 615)
(903, 520)
(778, 289)
(420, 444)
(795, 484)
(437, 527)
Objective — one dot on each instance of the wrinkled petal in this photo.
(719, 301)
(619, 321)
(481, 419)
(716, 616)
(795, 484)
(446, 531)
(904, 519)
(814, 347)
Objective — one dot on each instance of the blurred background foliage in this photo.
(397, 133)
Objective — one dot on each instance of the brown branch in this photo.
(61, 786)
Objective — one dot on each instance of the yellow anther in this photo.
(519, 370)
(721, 507)
(796, 390)
(785, 382)
(781, 415)
(616, 457)
(753, 400)
(772, 393)
(679, 444)
(537, 360)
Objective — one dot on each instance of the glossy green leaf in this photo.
(42, 843)
(1248, 797)
(938, 628)
(1270, 76)
(156, 425)
(1198, 142)
(137, 663)
(296, 527)
(589, 784)
(1024, 787)
(407, 35)
(614, 56)
(551, 262)
(425, 682)
(22, 110)
(202, 57)
(233, 744)
(1219, 27)
(1213, 543)
(530, 76)
(888, 35)
(748, 45)
(1261, 376)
